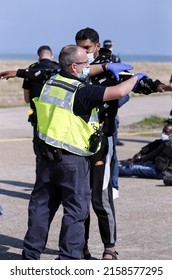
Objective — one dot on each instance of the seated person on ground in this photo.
(153, 161)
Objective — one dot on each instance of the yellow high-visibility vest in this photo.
(57, 124)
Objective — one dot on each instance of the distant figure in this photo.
(107, 44)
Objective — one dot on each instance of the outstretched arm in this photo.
(8, 74)
(147, 86)
(120, 90)
(42, 75)
(33, 74)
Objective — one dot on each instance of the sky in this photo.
(136, 27)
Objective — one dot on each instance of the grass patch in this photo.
(152, 121)
(149, 126)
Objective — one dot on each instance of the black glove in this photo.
(147, 86)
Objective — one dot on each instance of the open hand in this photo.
(162, 88)
(8, 74)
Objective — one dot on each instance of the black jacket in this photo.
(109, 109)
(35, 86)
(159, 153)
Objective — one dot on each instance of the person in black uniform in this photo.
(32, 88)
(102, 163)
(66, 182)
(107, 44)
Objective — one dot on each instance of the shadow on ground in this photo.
(7, 243)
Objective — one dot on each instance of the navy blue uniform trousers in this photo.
(66, 183)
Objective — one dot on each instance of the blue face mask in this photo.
(165, 137)
(84, 75)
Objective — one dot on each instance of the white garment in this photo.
(115, 193)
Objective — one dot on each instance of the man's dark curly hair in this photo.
(87, 33)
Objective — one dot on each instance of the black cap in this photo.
(43, 48)
(107, 44)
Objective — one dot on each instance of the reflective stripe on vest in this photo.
(66, 102)
(56, 104)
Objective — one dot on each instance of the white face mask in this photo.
(165, 137)
(84, 75)
(90, 57)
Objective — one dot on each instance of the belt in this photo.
(65, 152)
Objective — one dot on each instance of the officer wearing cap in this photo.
(107, 44)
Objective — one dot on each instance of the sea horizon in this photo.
(124, 57)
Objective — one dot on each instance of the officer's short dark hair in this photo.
(43, 48)
(87, 33)
(107, 44)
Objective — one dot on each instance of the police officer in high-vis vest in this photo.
(69, 129)
(70, 132)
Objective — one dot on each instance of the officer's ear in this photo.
(98, 45)
(39, 58)
(73, 68)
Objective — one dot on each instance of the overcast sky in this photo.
(135, 26)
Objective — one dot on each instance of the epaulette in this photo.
(33, 64)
